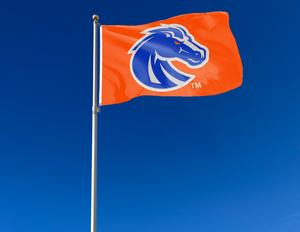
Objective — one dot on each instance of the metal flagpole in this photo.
(94, 129)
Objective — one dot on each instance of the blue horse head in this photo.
(152, 55)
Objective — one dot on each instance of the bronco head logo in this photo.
(151, 58)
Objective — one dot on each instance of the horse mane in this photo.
(173, 30)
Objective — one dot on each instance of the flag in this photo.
(187, 55)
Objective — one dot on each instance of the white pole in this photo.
(94, 130)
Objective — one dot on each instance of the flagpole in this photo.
(95, 110)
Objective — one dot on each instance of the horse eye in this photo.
(176, 43)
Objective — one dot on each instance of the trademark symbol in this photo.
(196, 85)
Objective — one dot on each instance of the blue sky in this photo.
(224, 163)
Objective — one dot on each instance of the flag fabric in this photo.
(187, 55)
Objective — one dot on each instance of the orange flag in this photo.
(187, 55)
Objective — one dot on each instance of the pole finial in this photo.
(95, 17)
